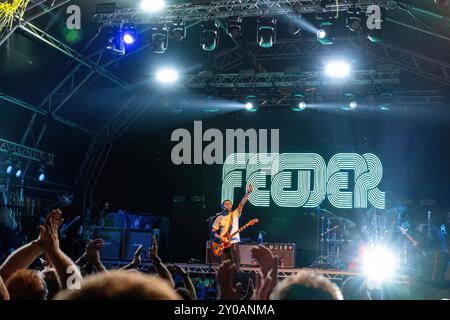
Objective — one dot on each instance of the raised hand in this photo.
(267, 278)
(93, 251)
(225, 279)
(48, 233)
(137, 257)
(153, 254)
(265, 259)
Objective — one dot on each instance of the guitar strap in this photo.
(230, 226)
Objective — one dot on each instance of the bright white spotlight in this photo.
(128, 38)
(167, 76)
(153, 5)
(302, 105)
(353, 105)
(337, 69)
(9, 169)
(321, 34)
(249, 106)
(379, 263)
(18, 173)
(41, 177)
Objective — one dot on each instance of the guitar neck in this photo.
(239, 230)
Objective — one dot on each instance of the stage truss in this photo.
(206, 269)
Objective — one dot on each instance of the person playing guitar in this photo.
(227, 223)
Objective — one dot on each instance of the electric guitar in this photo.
(217, 248)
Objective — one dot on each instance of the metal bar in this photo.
(418, 29)
(25, 152)
(224, 9)
(32, 108)
(58, 45)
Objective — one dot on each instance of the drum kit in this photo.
(335, 233)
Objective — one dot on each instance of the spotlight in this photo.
(9, 169)
(299, 103)
(299, 107)
(353, 105)
(160, 39)
(353, 20)
(129, 34)
(321, 34)
(41, 176)
(337, 69)
(379, 263)
(266, 32)
(250, 103)
(18, 173)
(210, 35)
(153, 5)
(167, 75)
(178, 30)
(249, 106)
(234, 27)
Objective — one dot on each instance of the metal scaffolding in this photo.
(401, 58)
(21, 151)
(289, 80)
(224, 9)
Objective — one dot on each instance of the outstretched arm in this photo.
(161, 269)
(244, 199)
(136, 260)
(22, 258)
(65, 267)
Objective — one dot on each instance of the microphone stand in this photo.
(210, 225)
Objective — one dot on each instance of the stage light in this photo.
(266, 32)
(9, 169)
(167, 75)
(210, 35)
(160, 39)
(353, 20)
(234, 27)
(128, 39)
(379, 263)
(337, 69)
(249, 106)
(321, 34)
(152, 5)
(302, 105)
(178, 30)
(129, 34)
(353, 105)
(41, 173)
(18, 173)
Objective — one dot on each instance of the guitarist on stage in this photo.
(227, 223)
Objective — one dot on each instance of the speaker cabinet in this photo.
(285, 252)
(133, 238)
(112, 238)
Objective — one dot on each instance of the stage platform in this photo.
(335, 275)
